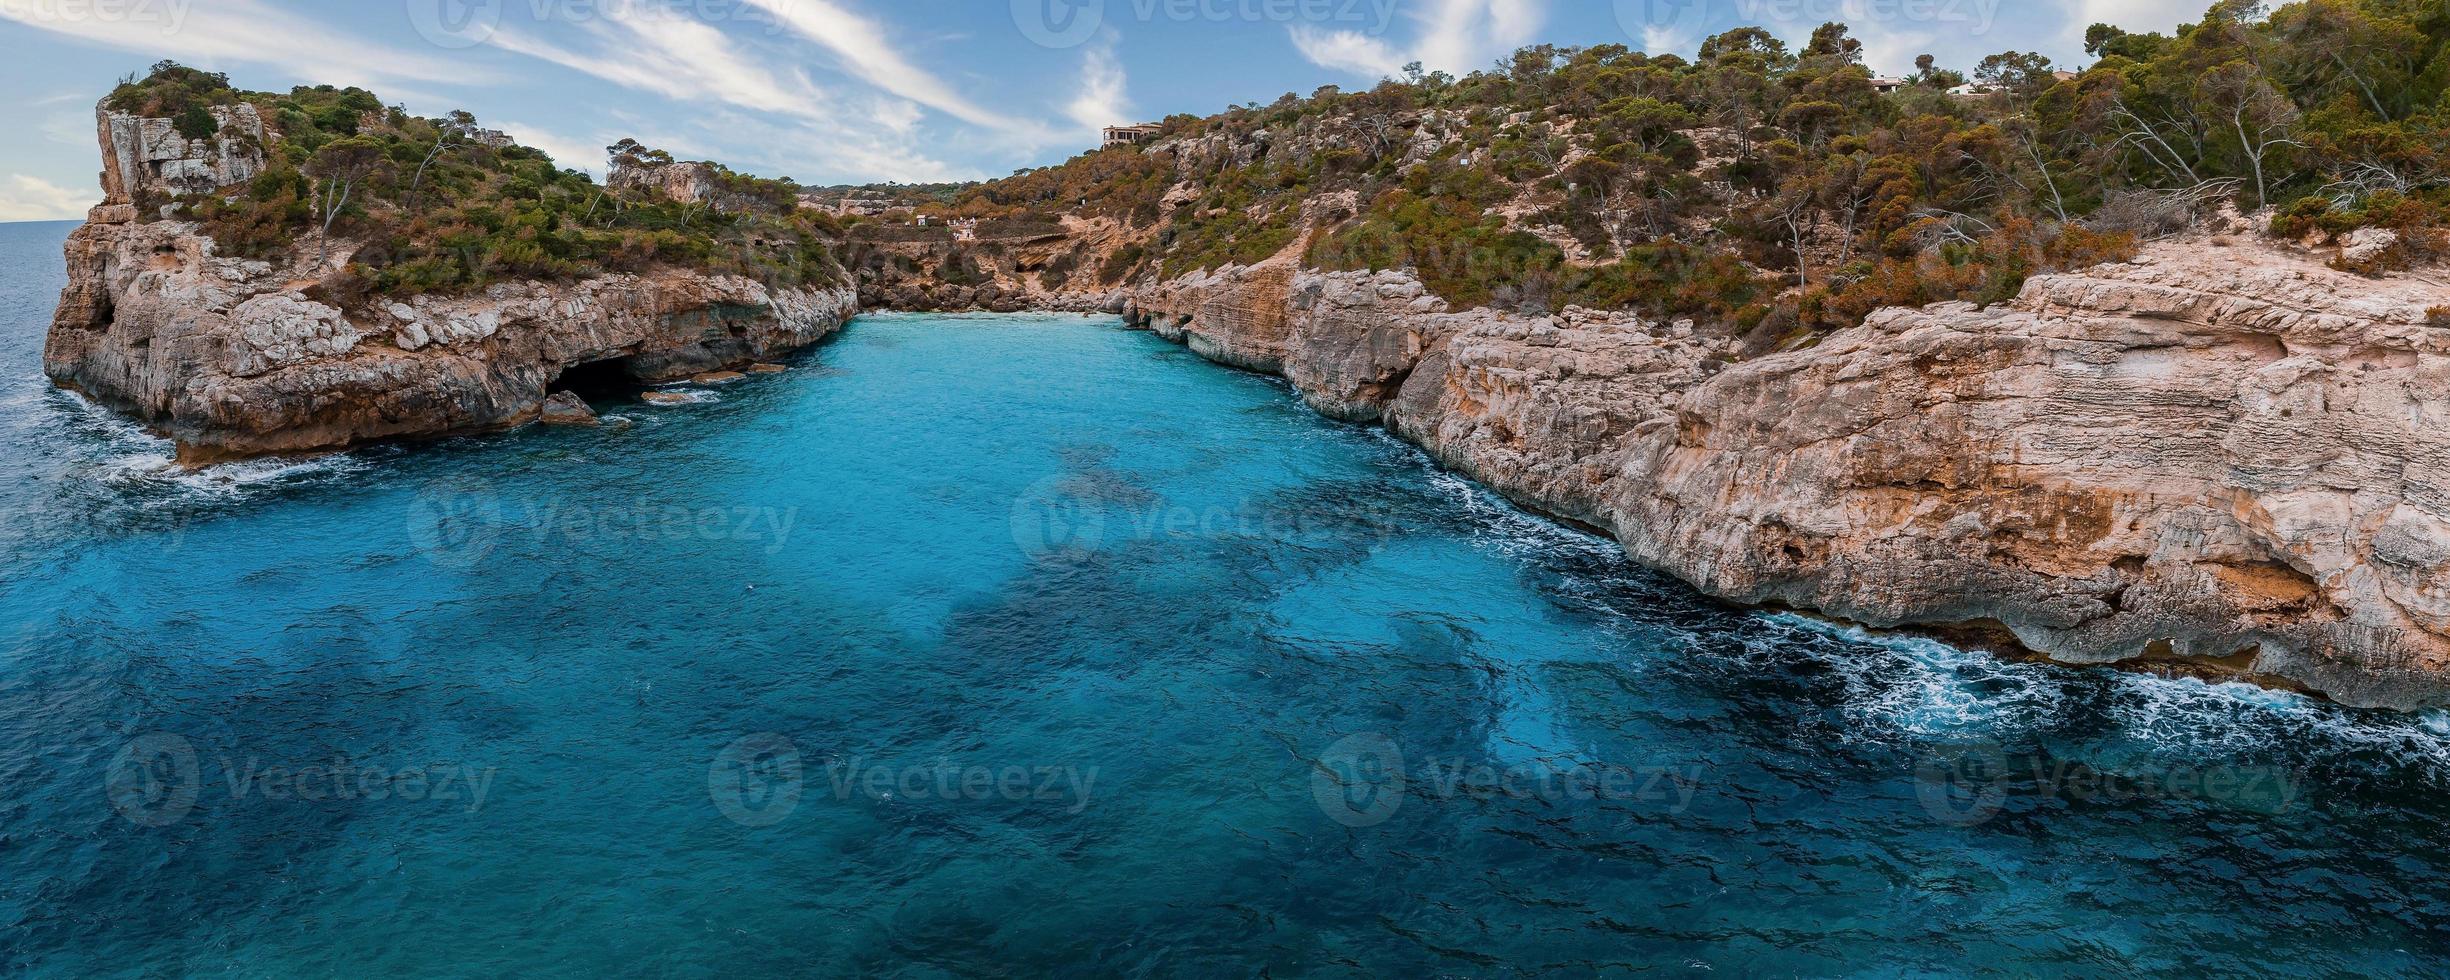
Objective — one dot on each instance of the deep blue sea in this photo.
(1019, 646)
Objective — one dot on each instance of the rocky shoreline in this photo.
(232, 358)
(2215, 458)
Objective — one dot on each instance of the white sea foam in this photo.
(1922, 686)
(2229, 718)
(1511, 530)
(130, 458)
(690, 396)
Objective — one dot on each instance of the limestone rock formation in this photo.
(927, 270)
(148, 159)
(687, 183)
(566, 408)
(232, 357)
(2226, 456)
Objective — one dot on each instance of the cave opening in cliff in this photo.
(597, 380)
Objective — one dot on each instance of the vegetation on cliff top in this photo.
(441, 205)
(1768, 190)
(1777, 189)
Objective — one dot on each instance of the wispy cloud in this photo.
(1347, 51)
(238, 31)
(1455, 36)
(2140, 16)
(24, 198)
(646, 49)
(809, 152)
(1102, 100)
(868, 54)
(568, 152)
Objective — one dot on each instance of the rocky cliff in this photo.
(2230, 459)
(148, 160)
(235, 357)
(230, 358)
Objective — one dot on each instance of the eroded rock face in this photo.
(232, 358)
(2232, 456)
(1001, 276)
(687, 183)
(148, 157)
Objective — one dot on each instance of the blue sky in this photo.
(832, 91)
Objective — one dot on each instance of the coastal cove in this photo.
(1060, 624)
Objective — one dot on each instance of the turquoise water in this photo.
(1018, 646)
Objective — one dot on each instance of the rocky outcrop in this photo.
(234, 357)
(686, 183)
(2230, 457)
(567, 408)
(148, 160)
(702, 184)
(927, 271)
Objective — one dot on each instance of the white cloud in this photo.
(24, 198)
(1102, 100)
(568, 152)
(1347, 51)
(1662, 39)
(673, 56)
(244, 31)
(864, 49)
(1455, 36)
(1888, 50)
(816, 154)
(72, 128)
(818, 132)
(2140, 16)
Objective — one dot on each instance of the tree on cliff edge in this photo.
(338, 168)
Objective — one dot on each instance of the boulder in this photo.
(567, 408)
